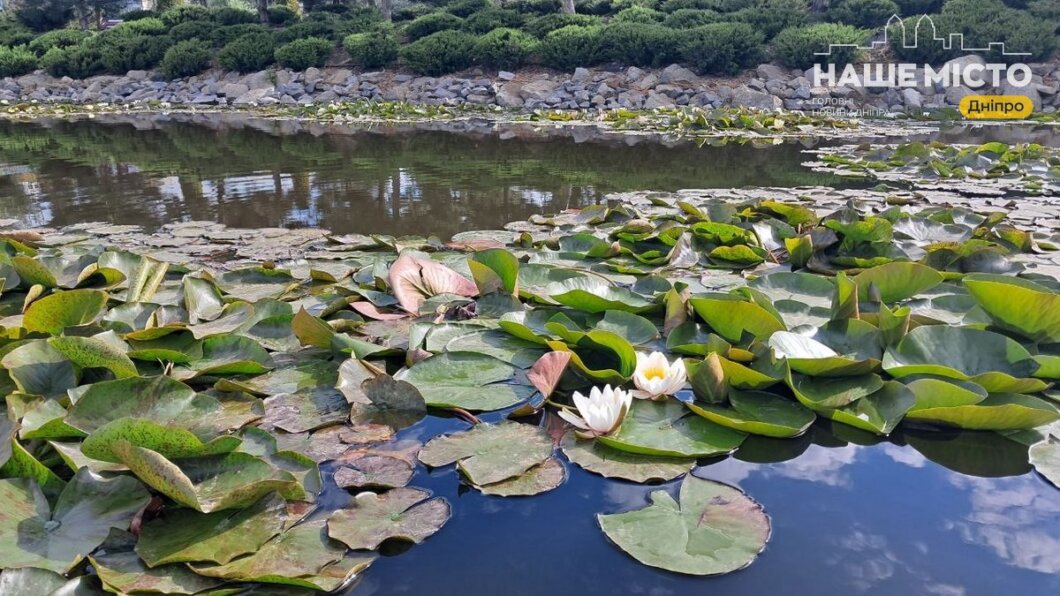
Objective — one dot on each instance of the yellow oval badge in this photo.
(996, 107)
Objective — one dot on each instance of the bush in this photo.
(60, 38)
(571, 46)
(535, 7)
(770, 17)
(148, 26)
(466, 8)
(411, 12)
(375, 49)
(595, 7)
(636, 44)
(722, 48)
(869, 14)
(542, 26)
(14, 33)
(916, 7)
(431, 24)
(493, 18)
(672, 6)
(120, 53)
(504, 48)
(308, 28)
(638, 14)
(248, 53)
(45, 15)
(184, 13)
(282, 15)
(76, 62)
(222, 36)
(185, 59)
(193, 30)
(15, 62)
(234, 16)
(136, 15)
(795, 47)
(301, 54)
(1045, 9)
(687, 18)
(439, 53)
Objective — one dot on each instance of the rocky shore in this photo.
(768, 87)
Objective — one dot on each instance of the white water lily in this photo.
(656, 377)
(601, 413)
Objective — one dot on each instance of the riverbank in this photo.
(767, 87)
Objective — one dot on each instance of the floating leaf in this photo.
(896, 281)
(1018, 305)
(39, 369)
(823, 393)
(374, 470)
(879, 412)
(613, 463)
(998, 411)
(732, 317)
(714, 529)
(306, 410)
(397, 404)
(538, 479)
(54, 313)
(758, 413)
(487, 453)
(546, 372)
(402, 513)
(121, 570)
(1045, 457)
(669, 429)
(414, 280)
(91, 352)
(465, 380)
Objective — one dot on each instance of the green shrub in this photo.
(222, 36)
(15, 62)
(282, 15)
(1045, 9)
(375, 49)
(571, 46)
(638, 14)
(770, 17)
(193, 30)
(411, 12)
(535, 7)
(493, 18)
(185, 59)
(60, 38)
(233, 16)
(869, 14)
(183, 13)
(45, 15)
(120, 53)
(136, 15)
(504, 48)
(636, 44)
(14, 33)
(439, 53)
(687, 18)
(672, 6)
(301, 54)
(431, 24)
(722, 48)
(248, 53)
(542, 26)
(325, 28)
(916, 7)
(597, 8)
(148, 26)
(795, 47)
(76, 62)
(466, 8)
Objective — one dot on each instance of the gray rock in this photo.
(203, 98)
(757, 84)
(677, 74)
(1029, 91)
(771, 72)
(337, 76)
(961, 62)
(779, 88)
(580, 74)
(648, 81)
(912, 99)
(233, 90)
(504, 75)
(509, 95)
(252, 97)
(954, 95)
(539, 89)
(137, 75)
(658, 100)
(746, 97)
(634, 74)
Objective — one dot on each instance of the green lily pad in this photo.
(500, 345)
(465, 380)
(1019, 305)
(633, 328)
(713, 529)
(1045, 457)
(941, 392)
(896, 281)
(402, 513)
(613, 463)
(999, 411)
(821, 394)
(758, 413)
(31, 581)
(306, 410)
(121, 570)
(39, 369)
(90, 352)
(846, 347)
(33, 535)
(669, 429)
(593, 295)
(538, 479)
(879, 412)
(170, 442)
(990, 359)
(186, 535)
(55, 312)
(374, 469)
(487, 453)
(601, 356)
(303, 556)
(397, 404)
(731, 317)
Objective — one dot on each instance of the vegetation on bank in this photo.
(710, 36)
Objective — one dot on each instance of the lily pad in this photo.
(713, 529)
(832, 392)
(306, 410)
(613, 463)
(999, 411)
(758, 413)
(121, 570)
(55, 312)
(465, 380)
(896, 281)
(731, 317)
(1019, 305)
(669, 429)
(402, 513)
(538, 479)
(374, 470)
(879, 412)
(397, 404)
(1045, 457)
(487, 453)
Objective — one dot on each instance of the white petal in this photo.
(573, 419)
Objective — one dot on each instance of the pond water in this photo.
(925, 512)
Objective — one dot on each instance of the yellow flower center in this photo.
(655, 372)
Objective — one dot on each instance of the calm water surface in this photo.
(925, 513)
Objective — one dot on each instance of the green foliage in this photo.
(136, 15)
(14, 33)
(76, 62)
(45, 15)
(375, 49)
(672, 6)
(493, 18)
(185, 59)
(770, 17)
(688, 18)
(638, 14)
(466, 8)
(535, 7)
(869, 14)
(60, 38)
(233, 16)
(504, 48)
(571, 46)
(914, 7)
(183, 13)
(439, 53)
(192, 30)
(637, 44)
(543, 25)
(248, 53)
(224, 35)
(795, 47)
(119, 54)
(17, 61)
(282, 15)
(301, 54)
(431, 24)
(721, 47)
(411, 11)
(148, 26)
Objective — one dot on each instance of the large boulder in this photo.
(745, 97)
(539, 89)
(961, 62)
(677, 74)
(252, 97)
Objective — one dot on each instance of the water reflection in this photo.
(393, 180)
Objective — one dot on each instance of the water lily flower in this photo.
(656, 377)
(601, 413)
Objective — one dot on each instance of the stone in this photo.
(1029, 91)
(954, 95)
(648, 81)
(634, 74)
(771, 72)
(962, 62)
(137, 75)
(337, 76)
(504, 75)
(580, 74)
(677, 74)
(233, 90)
(657, 100)
(252, 97)
(778, 88)
(509, 95)
(539, 89)
(746, 97)
(912, 98)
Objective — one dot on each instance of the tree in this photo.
(91, 12)
(45, 15)
(263, 11)
(567, 6)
